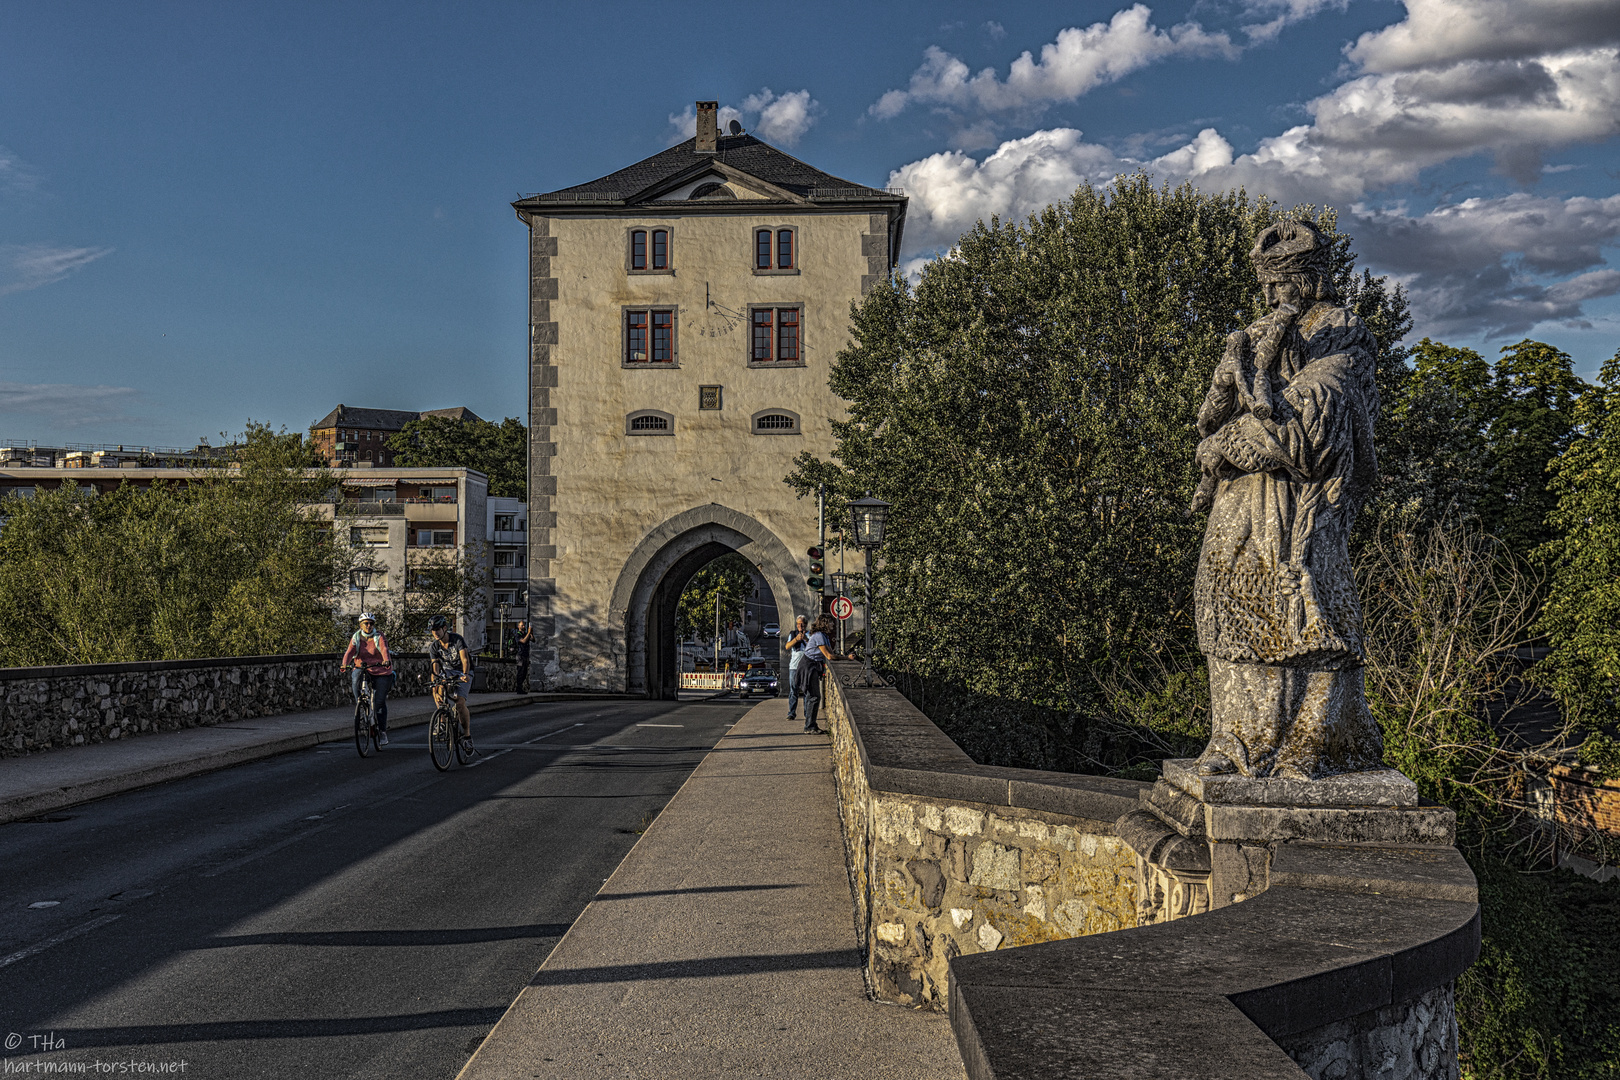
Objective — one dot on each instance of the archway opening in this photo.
(710, 609)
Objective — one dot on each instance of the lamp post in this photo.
(869, 517)
(360, 578)
(503, 630)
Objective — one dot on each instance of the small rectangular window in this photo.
(663, 349)
(762, 333)
(787, 334)
(443, 539)
(504, 558)
(660, 252)
(784, 249)
(762, 249)
(635, 345)
(638, 249)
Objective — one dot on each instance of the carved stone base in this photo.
(1206, 842)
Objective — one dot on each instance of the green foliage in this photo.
(729, 579)
(1539, 390)
(1028, 409)
(1542, 1000)
(230, 564)
(1581, 618)
(499, 451)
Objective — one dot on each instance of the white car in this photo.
(772, 630)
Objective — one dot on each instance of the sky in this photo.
(211, 213)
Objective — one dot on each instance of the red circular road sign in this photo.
(842, 608)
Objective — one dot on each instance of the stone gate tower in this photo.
(683, 315)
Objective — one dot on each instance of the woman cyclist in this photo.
(368, 651)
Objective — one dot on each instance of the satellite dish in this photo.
(736, 128)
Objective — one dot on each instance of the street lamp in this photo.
(869, 517)
(360, 578)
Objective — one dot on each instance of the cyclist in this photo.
(448, 651)
(368, 651)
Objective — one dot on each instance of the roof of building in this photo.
(744, 153)
(384, 419)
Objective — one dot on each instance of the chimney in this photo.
(708, 130)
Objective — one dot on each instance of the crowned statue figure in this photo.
(1287, 458)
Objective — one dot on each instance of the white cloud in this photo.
(1283, 13)
(29, 266)
(15, 173)
(1437, 32)
(780, 118)
(64, 404)
(1078, 61)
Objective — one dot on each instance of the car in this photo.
(772, 629)
(761, 682)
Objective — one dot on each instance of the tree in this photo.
(230, 563)
(728, 579)
(499, 451)
(1028, 410)
(1581, 618)
(1538, 390)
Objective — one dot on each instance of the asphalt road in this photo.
(314, 914)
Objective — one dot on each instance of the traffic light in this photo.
(815, 580)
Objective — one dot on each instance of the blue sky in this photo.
(211, 212)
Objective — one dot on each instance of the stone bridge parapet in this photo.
(42, 708)
(1018, 900)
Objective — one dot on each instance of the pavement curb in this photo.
(34, 803)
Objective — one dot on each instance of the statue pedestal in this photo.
(1204, 842)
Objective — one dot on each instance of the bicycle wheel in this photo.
(441, 733)
(365, 736)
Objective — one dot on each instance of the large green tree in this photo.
(1533, 426)
(726, 585)
(499, 451)
(1028, 409)
(1582, 615)
(230, 563)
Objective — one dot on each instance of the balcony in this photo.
(429, 511)
(370, 508)
(511, 573)
(509, 536)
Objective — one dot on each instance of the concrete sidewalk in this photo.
(724, 944)
(40, 783)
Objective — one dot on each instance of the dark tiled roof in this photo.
(742, 152)
(383, 419)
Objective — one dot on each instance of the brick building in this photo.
(348, 435)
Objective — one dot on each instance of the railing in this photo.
(710, 680)
(370, 508)
(511, 573)
(509, 536)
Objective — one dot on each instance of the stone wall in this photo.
(950, 865)
(1015, 899)
(48, 707)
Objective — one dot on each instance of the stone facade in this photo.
(48, 708)
(705, 477)
(1410, 1040)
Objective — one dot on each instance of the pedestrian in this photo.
(795, 647)
(525, 634)
(817, 651)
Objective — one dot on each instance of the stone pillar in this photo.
(1205, 842)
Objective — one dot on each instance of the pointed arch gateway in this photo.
(657, 572)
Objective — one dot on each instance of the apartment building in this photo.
(508, 532)
(351, 436)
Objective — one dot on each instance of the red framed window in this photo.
(762, 333)
(776, 335)
(762, 249)
(784, 249)
(663, 331)
(638, 249)
(649, 336)
(787, 334)
(660, 249)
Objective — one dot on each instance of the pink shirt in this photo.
(371, 651)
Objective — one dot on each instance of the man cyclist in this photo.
(448, 651)
(368, 651)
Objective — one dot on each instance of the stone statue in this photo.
(1287, 457)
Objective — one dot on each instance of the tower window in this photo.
(649, 336)
(649, 422)
(775, 337)
(775, 422)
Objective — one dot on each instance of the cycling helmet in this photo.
(366, 616)
(437, 623)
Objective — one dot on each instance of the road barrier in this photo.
(710, 680)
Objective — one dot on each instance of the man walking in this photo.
(795, 647)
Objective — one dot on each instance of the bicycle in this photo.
(365, 717)
(444, 730)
